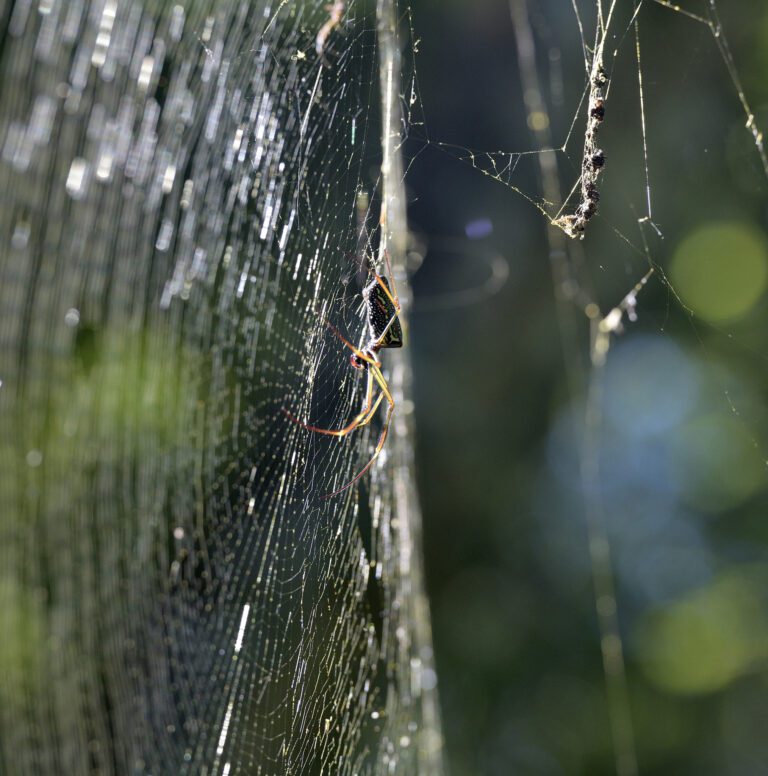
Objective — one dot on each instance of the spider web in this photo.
(185, 188)
(189, 191)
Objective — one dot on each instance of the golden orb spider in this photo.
(383, 309)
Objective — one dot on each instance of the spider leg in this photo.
(364, 417)
(379, 377)
(336, 12)
(359, 353)
(391, 294)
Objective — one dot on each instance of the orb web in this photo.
(185, 185)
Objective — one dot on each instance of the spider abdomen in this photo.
(382, 315)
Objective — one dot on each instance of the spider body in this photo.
(382, 311)
(383, 324)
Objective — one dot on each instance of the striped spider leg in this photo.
(383, 309)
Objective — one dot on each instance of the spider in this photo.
(383, 308)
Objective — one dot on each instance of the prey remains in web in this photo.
(382, 312)
(593, 159)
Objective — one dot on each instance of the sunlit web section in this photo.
(186, 182)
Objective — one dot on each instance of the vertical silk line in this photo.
(414, 660)
(611, 646)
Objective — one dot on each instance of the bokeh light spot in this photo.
(703, 642)
(479, 228)
(716, 463)
(636, 369)
(721, 270)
